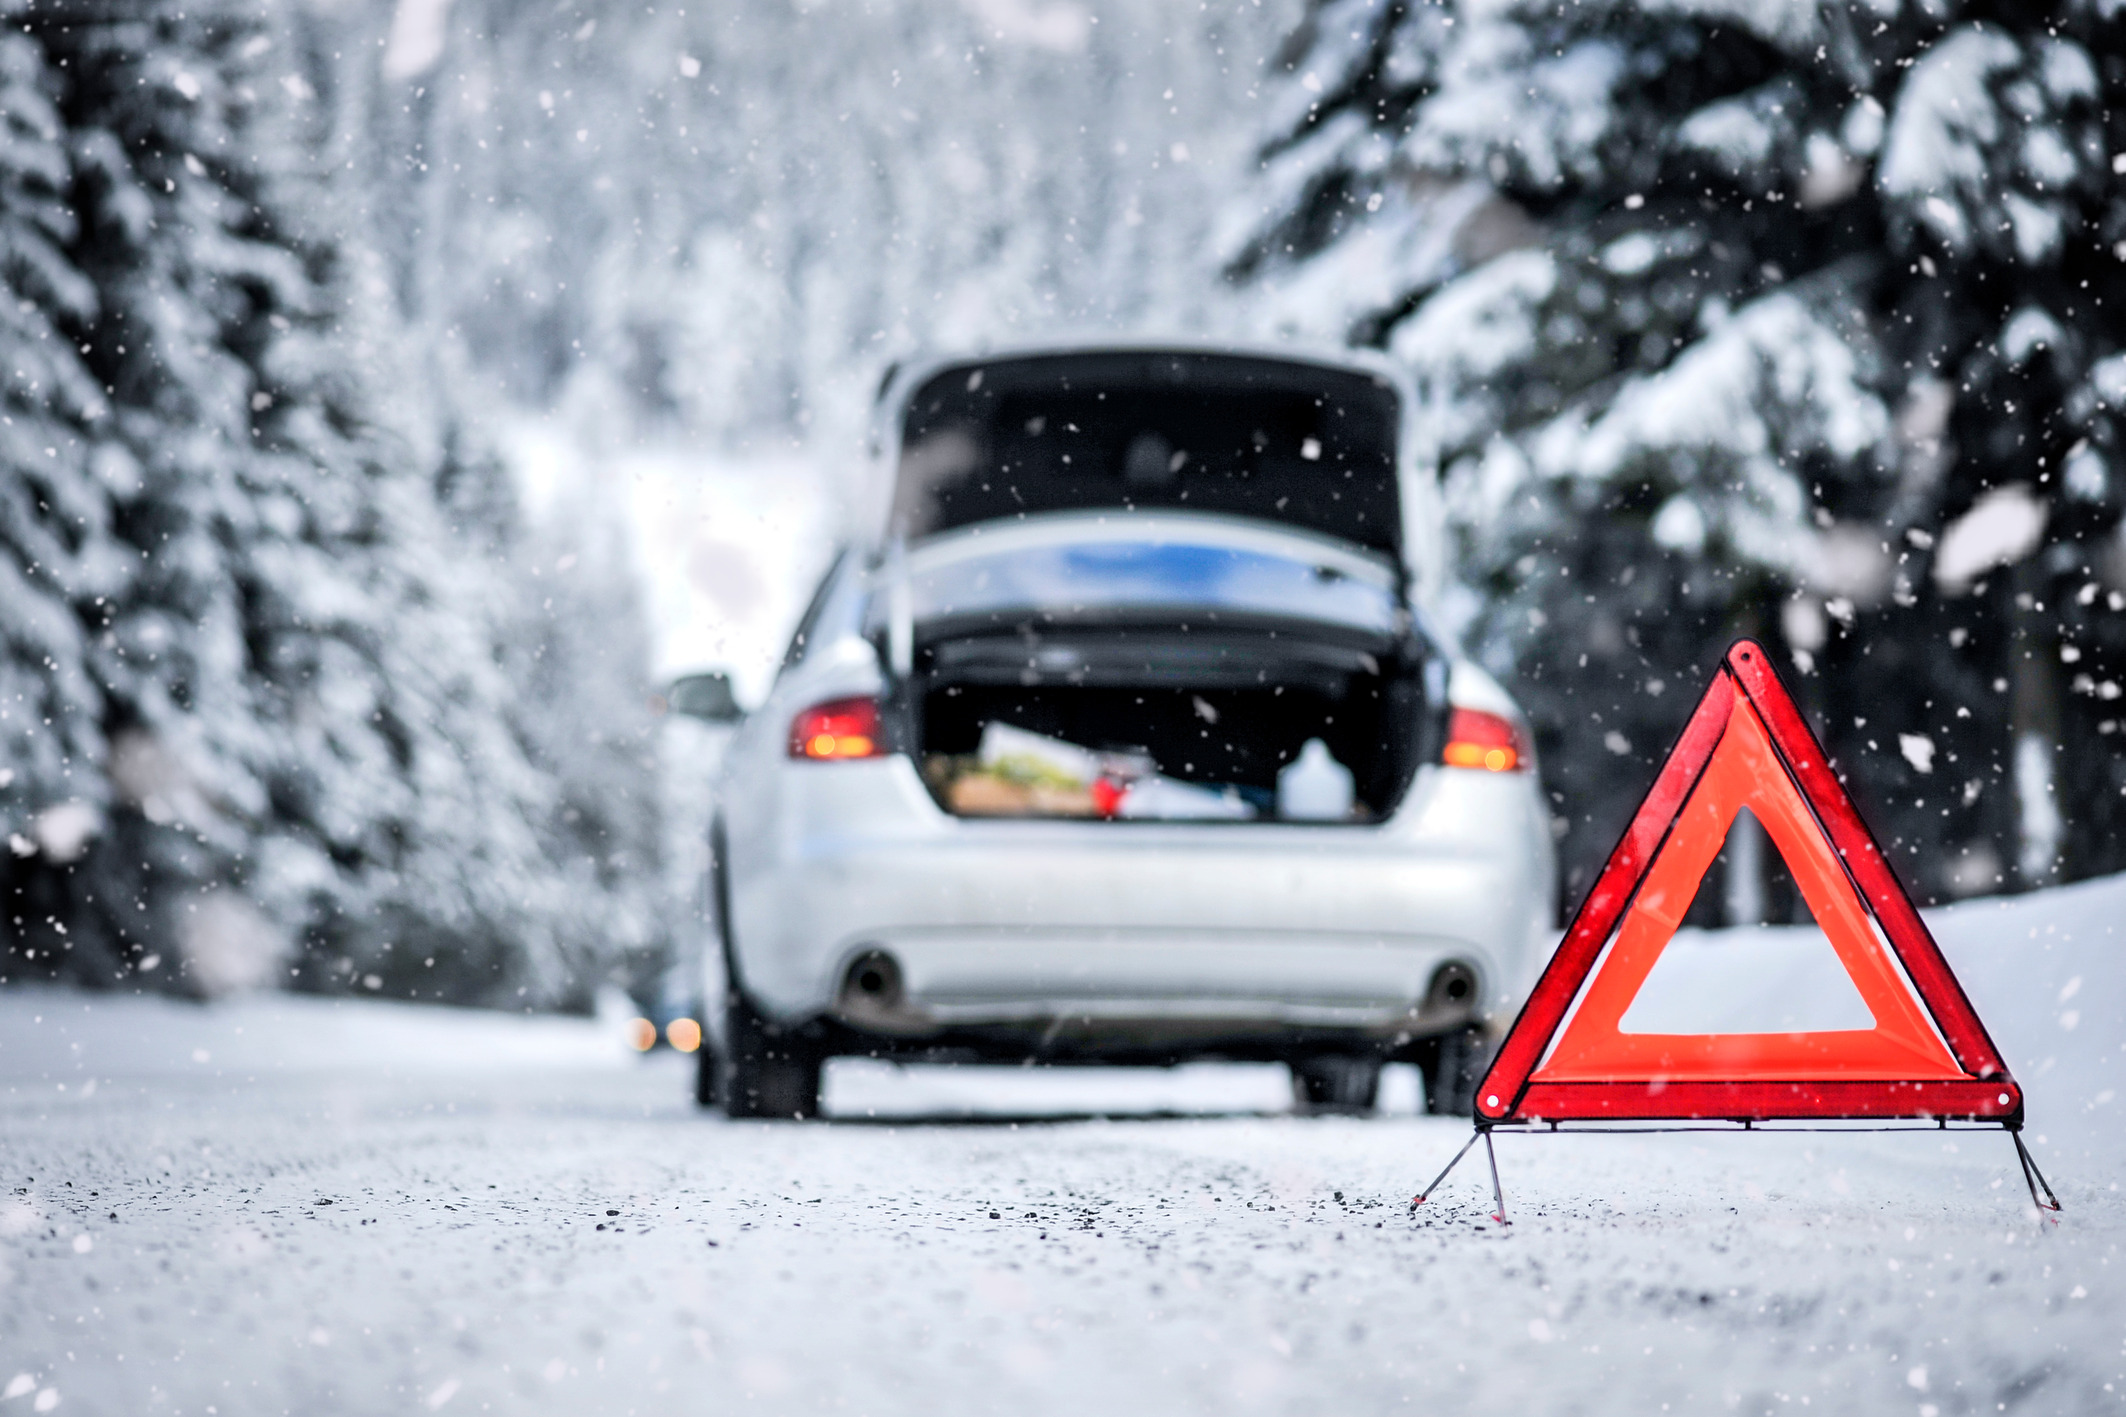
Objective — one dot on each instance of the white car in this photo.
(1119, 735)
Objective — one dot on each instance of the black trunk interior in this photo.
(1227, 709)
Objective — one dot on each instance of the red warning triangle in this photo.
(1927, 1055)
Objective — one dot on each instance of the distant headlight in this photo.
(1476, 739)
(683, 1034)
(839, 728)
(641, 1034)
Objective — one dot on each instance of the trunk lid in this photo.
(1304, 445)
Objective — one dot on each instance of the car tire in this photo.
(1453, 1067)
(1335, 1082)
(708, 1076)
(766, 1071)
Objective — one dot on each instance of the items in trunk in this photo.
(1315, 787)
(1018, 774)
(1173, 720)
(1015, 773)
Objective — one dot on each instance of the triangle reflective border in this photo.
(1927, 1056)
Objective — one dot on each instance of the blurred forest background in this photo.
(1728, 316)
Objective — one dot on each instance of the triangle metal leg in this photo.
(1422, 1196)
(1498, 1196)
(2048, 1208)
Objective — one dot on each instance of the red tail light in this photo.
(1476, 739)
(839, 728)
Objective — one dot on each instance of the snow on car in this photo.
(1121, 734)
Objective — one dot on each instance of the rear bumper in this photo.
(1137, 931)
(1144, 984)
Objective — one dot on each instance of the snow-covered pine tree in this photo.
(283, 741)
(581, 654)
(58, 570)
(158, 636)
(1796, 320)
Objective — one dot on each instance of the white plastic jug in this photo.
(1314, 787)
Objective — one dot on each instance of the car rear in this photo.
(1037, 790)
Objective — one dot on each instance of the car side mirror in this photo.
(707, 697)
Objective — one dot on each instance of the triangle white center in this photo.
(1752, 979)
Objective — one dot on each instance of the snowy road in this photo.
(289, 1206)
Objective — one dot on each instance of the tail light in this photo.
(1476, 739)
(839, 728)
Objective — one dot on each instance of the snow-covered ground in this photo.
(295, 1206)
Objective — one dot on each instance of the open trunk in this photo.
(1140, 583)
(1166, 723)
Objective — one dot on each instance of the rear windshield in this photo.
(1094, 581)
(1303, 445)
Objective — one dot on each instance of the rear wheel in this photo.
(1335, 1083)
(1452, 1069)
(707, 1076)
(766, 1071)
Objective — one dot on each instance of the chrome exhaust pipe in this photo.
(872, 982)
(874, 997)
